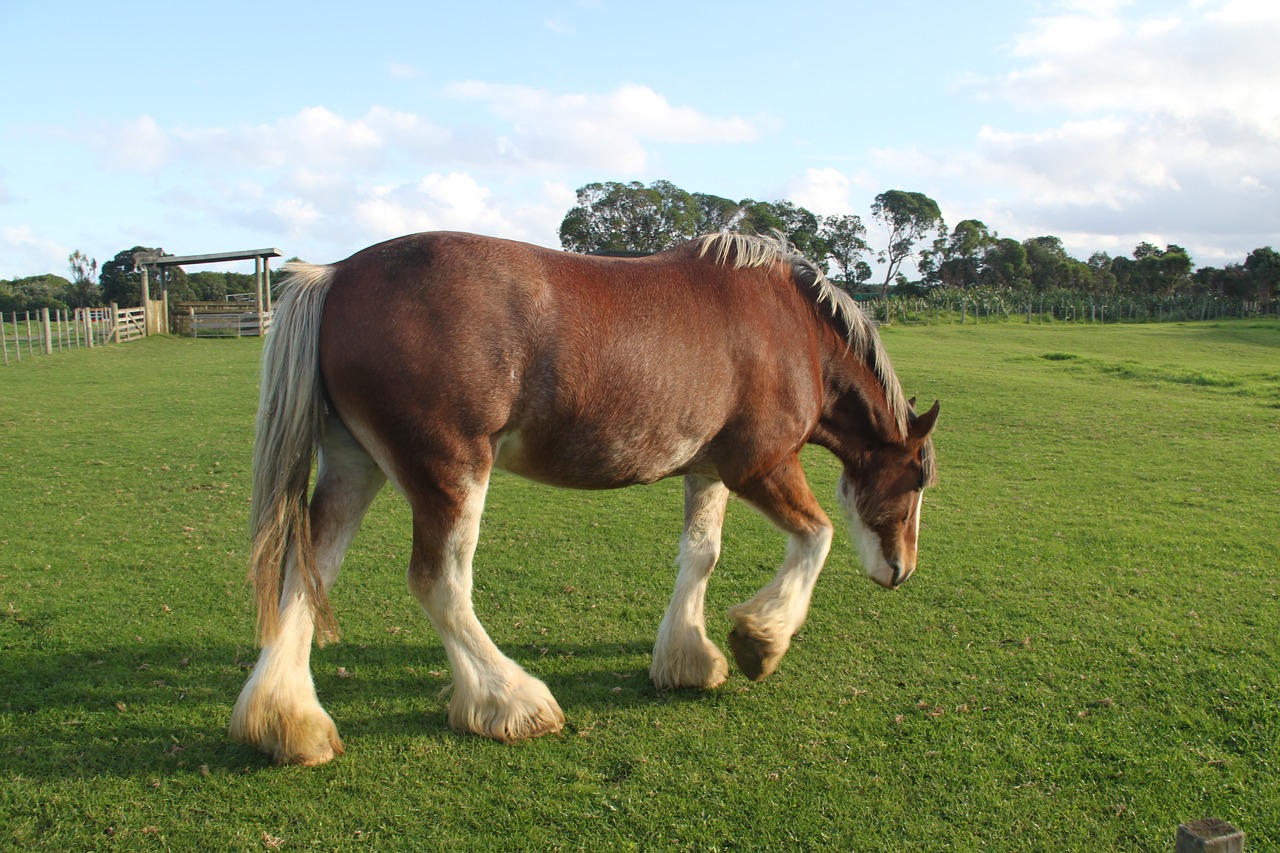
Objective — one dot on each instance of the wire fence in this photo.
(979, 305)
(27, 334)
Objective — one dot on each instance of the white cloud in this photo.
(498, 162)
(1207, 61)
(23, 251)
(140, 145)
(823, 191)
(296, 216)
(536, 130)
(438, 201)
(1157, 127)
(608, 132)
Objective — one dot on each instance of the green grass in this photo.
(1087, 656)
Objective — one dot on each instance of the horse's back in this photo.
(578, 370)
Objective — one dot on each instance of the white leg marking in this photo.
(278, 710)
(492, 694)
(682, 655)
(781, 607)
(763, 626)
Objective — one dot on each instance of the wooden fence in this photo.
(26, 334)
(219, 320)
(131, 324)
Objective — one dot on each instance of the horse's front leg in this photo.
(763, 626)
(682, 655)
(491, 694)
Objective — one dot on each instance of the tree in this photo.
(716, 214)
(909, 217)
(1104, 280)
(617, 217)
(962, 254)
(209, 286)
(83, 291)
(1153, 272)
(120, 284)
(1231, 281)
(845, 237)
(629, 217)
(801, 227)
(1263, 266)
(33, 293)
(1005, 264)
(1049, 263)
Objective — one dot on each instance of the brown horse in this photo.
(431, 359)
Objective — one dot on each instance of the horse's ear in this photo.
(912, 403)
(923, 425)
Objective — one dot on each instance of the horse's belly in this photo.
(574, 459)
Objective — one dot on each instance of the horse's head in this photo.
(881, 491)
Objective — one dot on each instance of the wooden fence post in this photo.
(1211, 835)
(48, 331)
(115, 323)
(146, 303)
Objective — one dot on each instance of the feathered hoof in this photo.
(698, 665)
(306, 737)
(532, 712)
(322, 751)
(756, 654)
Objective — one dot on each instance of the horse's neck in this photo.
(856, 409)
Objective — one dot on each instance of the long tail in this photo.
(289, 425)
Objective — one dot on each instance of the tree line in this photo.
(117, 281)
(632, 217)
(615, 217)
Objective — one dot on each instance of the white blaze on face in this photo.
(865, 539)
(875, 564)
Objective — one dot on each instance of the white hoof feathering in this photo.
(289, 726)
(520, 708)
(687, 660)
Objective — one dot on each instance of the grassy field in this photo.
(1087, 656)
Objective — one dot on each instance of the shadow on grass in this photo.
(151, 711)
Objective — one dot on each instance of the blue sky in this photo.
(320, 128)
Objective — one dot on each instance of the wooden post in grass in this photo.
(48, 331)
(1210, 835)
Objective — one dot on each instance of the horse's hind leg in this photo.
(763, 626)
(278, 710)
(491, 694)
(682, 655)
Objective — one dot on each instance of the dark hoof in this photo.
(755, 656)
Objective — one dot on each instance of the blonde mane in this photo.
(757, 250)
